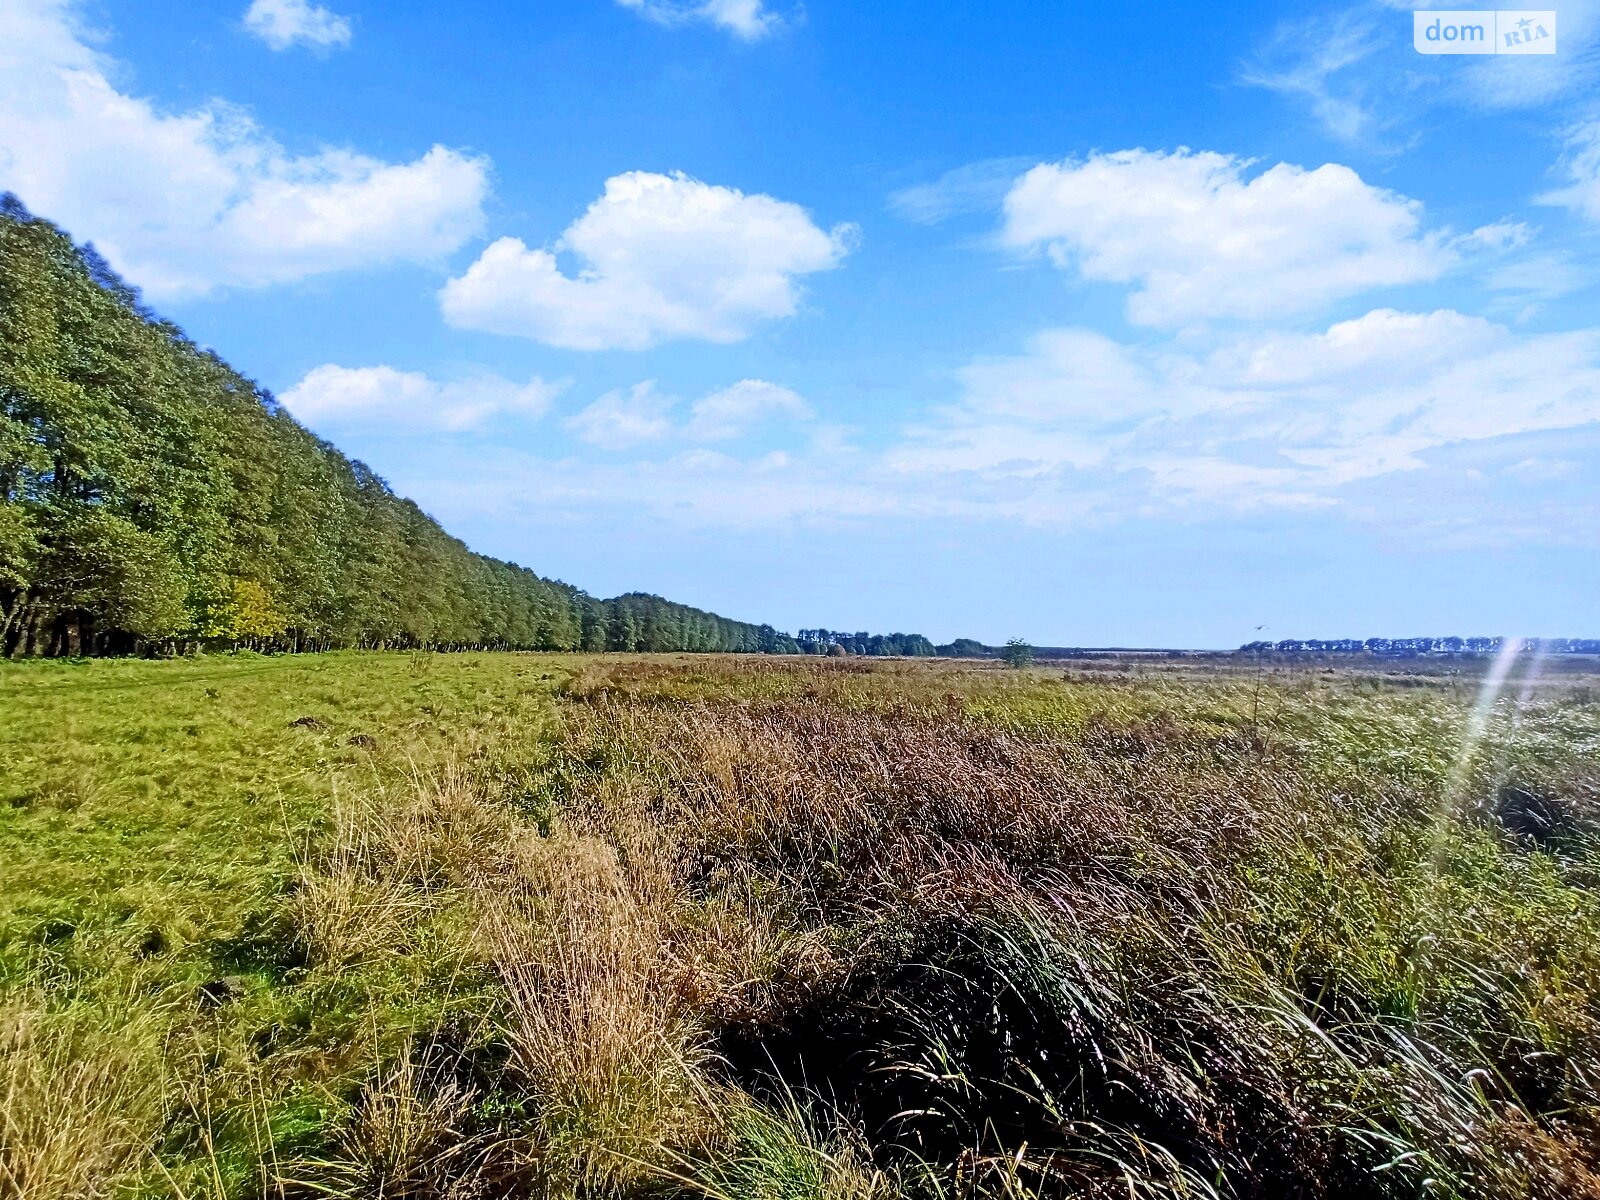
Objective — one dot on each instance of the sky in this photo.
(1159, 324)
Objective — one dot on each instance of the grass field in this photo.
(506, 925)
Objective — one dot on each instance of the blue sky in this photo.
(1135, 325)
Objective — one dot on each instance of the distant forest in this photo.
(822, 641)
(153, 499)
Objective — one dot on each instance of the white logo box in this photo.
(1484, 31)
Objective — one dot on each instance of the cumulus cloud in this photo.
(663, 257)
(749, 20)
(735, 411)
(625, 417)
(332, 397)
(185, 203)
(285, 23)
(1198, 235)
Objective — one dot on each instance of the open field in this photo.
(492, 925)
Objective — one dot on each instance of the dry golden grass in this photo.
(82, 1097)
(1149, 880)
(598, 1033)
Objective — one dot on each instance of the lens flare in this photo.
(1457, 788)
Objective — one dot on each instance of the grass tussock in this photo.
(81, 1097)
(596, 1027)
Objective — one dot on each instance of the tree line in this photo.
(822, 641)
(153, 499)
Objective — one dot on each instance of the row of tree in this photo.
(152, 498)
(1415, 647)
(822, 641)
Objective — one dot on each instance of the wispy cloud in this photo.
(1356, 71)
(331, 398)
(285, 23)
(1580, 168)
(734, 411)
(1259, 419)
(1080, 429)
(625, 417)
(748, 20)
(974, 188)
(1322, 62)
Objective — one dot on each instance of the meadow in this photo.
(780, 928)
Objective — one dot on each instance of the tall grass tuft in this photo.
(83, 1095)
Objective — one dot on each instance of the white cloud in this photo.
(664, 256)
(1435, 428)
(1395, 418)
(630, 416)
(696, 488)
(1542, 470)
(1263, 419)
(746, 19)
(1357, 71)
(332, 397)
(1318, 60)
(184, 203)
(1198, 236)
(734, 411)
(975, 187)
(285, 23)
(1539, 277)
(625, 417)
(1504, 81)
(1581, 167)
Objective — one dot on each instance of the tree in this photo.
(964, 648)
(255, 617)
(1017, 654)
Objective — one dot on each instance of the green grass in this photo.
(154, 817)
(165, 803)
(427, 925)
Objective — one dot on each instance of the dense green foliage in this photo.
(641, 622)
(964, 648)
(151, 497)
(873, 645)
(1017, 653)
